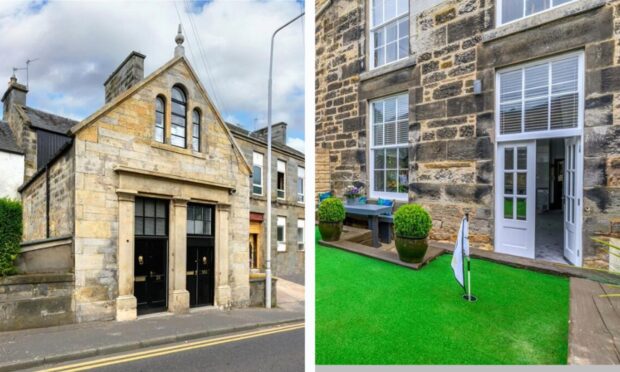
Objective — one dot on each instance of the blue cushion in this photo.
(386, 202)
(324, 195)
(363, 200)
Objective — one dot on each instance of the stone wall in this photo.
(35, 210)
(291, 261)
(32, 301)
(123, 137)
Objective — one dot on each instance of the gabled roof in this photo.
(47, 121)
(252, 136)
(7, 140)
(129, 92)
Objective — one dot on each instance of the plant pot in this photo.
(353, 200)
(330, 231)
(411, 250)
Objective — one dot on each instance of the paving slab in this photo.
(34, 347)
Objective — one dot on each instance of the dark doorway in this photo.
(200, 255)
(151, 255)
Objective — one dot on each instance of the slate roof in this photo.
(244, 132)
(7, 140)
(45, 120)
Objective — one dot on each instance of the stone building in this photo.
(145, 202)
(11, 157)
(288, 196)
(508, 111)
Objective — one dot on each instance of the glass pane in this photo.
(391, 33)
(510, 117)
(149, 208)
(198, 227)
(391, 52)
(257, 190)
(379, 56)
(377, 12)
(390, 110)
(535, 6)
(564, 75)
(149, 226)
(178, 130)
(390, 155)
(403, 132)
(390, 9)
(379, 180)
(508, 183)
(207, 227)
(508, 207)
(378, 135)
(509, 158)
(392, 181)
(177, 141)
(378, 112)
(196, 131)
(511, 10)
(572, 210)
(161, 209)
(159, 134)
(403, 6)
(178, 109)
(208, 214)
(537, 81)
(522, 158)
(159, 119)
(280, 233)
(511, 86)
(403, 48)
(403, 181)
(198, 213)
(521, 209)
(522, 183)
(195, 144)
(379, 159)
(390, 133)
(564, 111)
(190, 226)
(159, 105)
(536, 114)
(161, 226)
(403, 158)
(379, 38)
(139, 207)
(196, 117)
(177, 94)
(403, 107)
(403, 28)
(139, 226)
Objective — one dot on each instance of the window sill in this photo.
(542, 18)
(394, 66)
(178, 150)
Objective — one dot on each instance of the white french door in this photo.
(515, 198)
(573, 177)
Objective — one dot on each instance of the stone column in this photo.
(178, 295)
(126, 303)
(222, 287)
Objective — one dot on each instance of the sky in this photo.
(77, 45)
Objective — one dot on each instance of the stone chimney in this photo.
(126, 75)
(15, 94)
(278, 133)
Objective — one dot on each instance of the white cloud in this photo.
(79, 44)
(296, 143)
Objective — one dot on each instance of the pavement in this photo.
(273, 349)
(36, 347)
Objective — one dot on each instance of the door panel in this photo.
(515, 198)
(200, 270)
(572, 199)
(150, 280)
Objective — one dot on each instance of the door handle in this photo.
(204, 260)
(140, 260)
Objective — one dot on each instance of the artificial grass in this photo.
(373, 312)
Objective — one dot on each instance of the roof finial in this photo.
(179, 39)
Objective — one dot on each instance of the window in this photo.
(389, 33)
(151, 217)
(281, 183)
(541, 96)
(300, 234)
(196, 130)
(300, 184)
(199, 220)
(511, 10)
(257, 173)
(281, 234)
(160, 114)
(179, 112)
(389, 149)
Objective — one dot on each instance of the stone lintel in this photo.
(448, 164)
(223, 207)
(171, 177)
(126, 195)
(180, 201)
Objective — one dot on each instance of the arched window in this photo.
(160, 114)
(196, 130)
(179, 112)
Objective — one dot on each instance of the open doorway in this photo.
(550, 155)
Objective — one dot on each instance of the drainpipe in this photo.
(268, 255)
(47, 201)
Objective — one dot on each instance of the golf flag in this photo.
(461, 249)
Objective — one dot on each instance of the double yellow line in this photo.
(174, 349)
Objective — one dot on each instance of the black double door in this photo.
(200, 270)
(150, 269)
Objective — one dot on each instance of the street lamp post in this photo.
(268, 258)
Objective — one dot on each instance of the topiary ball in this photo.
(331, 210)
(412, 221)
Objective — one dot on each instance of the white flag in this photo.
(460, 249)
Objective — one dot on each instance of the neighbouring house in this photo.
(11, 163)
(506, 109)
(144, 204)
(288, 196)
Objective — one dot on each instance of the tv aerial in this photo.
(15, 69)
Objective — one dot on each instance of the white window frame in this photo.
(284, 174)
(498, 11)
(400, 196)
(301, 179)
(301, 224)
(372, 28)
(550, 133)
(281, 244)
(261, 166)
